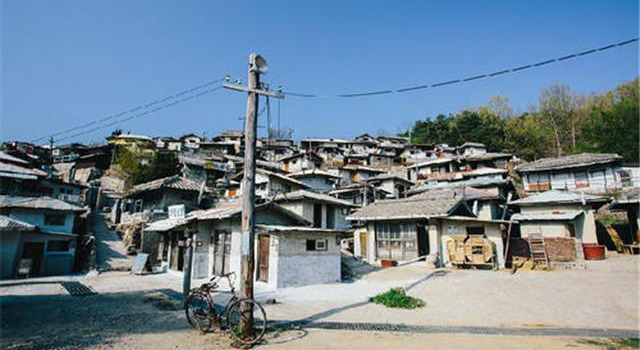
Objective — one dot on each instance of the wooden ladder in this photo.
(538, 250)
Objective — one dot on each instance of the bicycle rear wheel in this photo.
(199, 311)
(236, 319)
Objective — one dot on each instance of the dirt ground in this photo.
(143, 312)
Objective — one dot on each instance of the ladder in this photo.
(538, 250)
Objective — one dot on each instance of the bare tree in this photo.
(557, 109)
(499, 105)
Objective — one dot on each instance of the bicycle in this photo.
(202, 314)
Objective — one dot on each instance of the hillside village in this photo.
(380, 200)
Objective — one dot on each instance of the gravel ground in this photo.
(142, 312)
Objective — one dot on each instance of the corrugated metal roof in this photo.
(406, 209)
(11, 159)
(10, 224)
(10, 169)
(168, 224)
(229, 209)
(466, 192)
(547, 216)
(47, 203)
(431, 162)
(571, 161)
(555, 196)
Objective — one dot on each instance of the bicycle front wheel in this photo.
(199, 311)
(238, 314)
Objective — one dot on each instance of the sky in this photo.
(66, 63)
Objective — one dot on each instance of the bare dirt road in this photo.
(465, 309)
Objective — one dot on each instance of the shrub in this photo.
(397, 298)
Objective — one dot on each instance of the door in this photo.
(363, 244)
(221, 253)
(263, 258)
(33, 251)
(423, 240)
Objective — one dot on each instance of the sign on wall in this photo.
(176, 211)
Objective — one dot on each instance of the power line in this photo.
(472, 78)
(128, 111)
(142, 114)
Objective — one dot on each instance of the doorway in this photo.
(423, 240)
(33, 251)
(263, 258)
(363, 244)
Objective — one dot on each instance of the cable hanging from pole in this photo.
(467, 79)
(129, 111)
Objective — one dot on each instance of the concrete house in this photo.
(559, 214)
(300, 162)
(588, 172)
(395, 186)
(357, 173)
(321, 210)
(409, 229)
(191, 141)
(360, 193)
(206, 170)
(17, 177)
(37, 236)
(319, 181)
(430, 169)
(150, 201)
(472, 148)
(269, 184)
(289, 253)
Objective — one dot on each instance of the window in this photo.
(316, 244)
(475, 230)
(331, 216)
(582, 180)
(625, 178)
(54, 219)
(58, 246)
(539, 182)
(317, 215)
(396, 241)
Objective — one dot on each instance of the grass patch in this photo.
(613, 343)
(397, 298)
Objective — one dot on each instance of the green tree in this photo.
(140, 166)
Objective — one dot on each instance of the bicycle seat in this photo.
(209, 285)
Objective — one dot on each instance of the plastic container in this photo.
(593, 251)
(388, 263)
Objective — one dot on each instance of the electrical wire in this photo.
(142, 114)
(128, 111)
(464, 80)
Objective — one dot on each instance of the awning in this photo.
(167, 224)
(547, 216)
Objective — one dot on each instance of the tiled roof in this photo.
(487, 156)
(10, 224)
(232, 208)
(571, 161)
(301, 194)
(472, 144)
(554, 196)
(468, 193)
(389, 177)
(47, 203)
(176, 182)
(313, 172)
(407, 208)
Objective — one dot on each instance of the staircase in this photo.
(538, 250)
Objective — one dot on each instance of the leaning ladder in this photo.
(538, 250)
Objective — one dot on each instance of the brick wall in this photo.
(558, 249)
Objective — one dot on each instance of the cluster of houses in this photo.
(383, 199)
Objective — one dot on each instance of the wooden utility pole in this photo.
(257, 66)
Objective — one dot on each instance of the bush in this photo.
(397, 298)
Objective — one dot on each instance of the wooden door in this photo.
(263, 258)
(363, 244)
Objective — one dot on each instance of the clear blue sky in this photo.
(67, 62)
